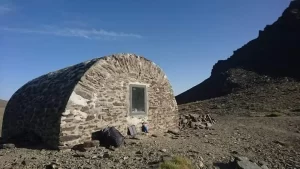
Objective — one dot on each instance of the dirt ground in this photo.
(271, 140)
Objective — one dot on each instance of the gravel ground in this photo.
(274, 141)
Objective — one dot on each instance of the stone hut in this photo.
(65, 107)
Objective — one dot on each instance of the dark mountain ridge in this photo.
(275, 53)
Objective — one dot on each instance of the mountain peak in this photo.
(274, 53)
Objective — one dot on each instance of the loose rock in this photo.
(196, 121)
(194, 117)
(201, 165)
(264, 167)
(208, 125)
(173, 131)
(166, 158)
(52, 166)
(244, 163)
(106, 155)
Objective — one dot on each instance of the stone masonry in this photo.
(65, 107)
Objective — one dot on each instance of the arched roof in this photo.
(56, 85)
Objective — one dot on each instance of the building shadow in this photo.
(28, 140)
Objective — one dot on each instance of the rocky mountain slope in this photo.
(2, 103)
(269, 61)
(256, 96)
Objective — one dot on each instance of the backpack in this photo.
(110, 136)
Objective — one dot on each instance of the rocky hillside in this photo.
(256, 96)
(2, 108)
(267, 60)
(2, 103)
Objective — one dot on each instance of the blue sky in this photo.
(185, 38)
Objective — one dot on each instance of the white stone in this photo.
(77, 118)
(67, 112)
(63, 123)
(77, 99)
(201, 165)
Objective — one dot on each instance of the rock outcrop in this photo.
(273, 54)
(196, 121)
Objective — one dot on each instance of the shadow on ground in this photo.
(27, 140)
(224, 165)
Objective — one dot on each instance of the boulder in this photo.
(208, 125)
(245, 163)
(195, 124)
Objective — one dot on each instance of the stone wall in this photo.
(101, 98)
(37, 106)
